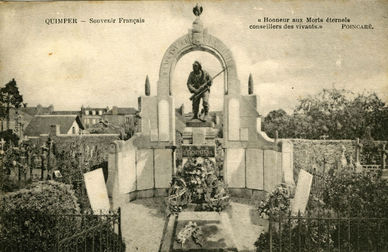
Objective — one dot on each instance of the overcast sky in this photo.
(106, 64)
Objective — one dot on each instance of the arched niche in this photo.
(198, 40)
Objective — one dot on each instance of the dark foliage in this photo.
(332, 114)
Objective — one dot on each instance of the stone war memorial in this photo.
(147, 165)
(144, 165)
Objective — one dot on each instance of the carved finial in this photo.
(250, 84)
(147, 87)
(197, 10)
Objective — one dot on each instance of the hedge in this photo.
(324, 155)
(34, 218)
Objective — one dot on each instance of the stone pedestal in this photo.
(199, 123)
(199, 142)
(199, 135)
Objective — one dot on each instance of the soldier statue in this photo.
(199, 83)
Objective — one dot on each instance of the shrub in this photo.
(10, 185)
(49, 197)
(342, 213)
(355, 194)
(277, 202)
(9, 136)
(33, 218)
(297, 234)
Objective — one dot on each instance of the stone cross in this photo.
(384, 153)
(358, 152)
(2, 143)
(344, 162)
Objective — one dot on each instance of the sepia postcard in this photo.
(121, 98)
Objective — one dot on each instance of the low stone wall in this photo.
(139, 172)
(323, 155)
(136, 172)
(258, 169)
(65, 149)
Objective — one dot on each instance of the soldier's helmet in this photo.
(198, 64)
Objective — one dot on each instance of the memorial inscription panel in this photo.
(198, 151)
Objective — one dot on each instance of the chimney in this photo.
(38, 109)
(51, 109)
(55, 130)
(114, 110)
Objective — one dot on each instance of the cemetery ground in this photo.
(345, 210)
(144, 223)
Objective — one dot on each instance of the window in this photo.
(73, 130)
(93, 112)
(86, 112)
(100, 112)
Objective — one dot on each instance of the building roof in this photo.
(66, 112)
(41, 124)
(94, 108)
(121, 111)
(38, 110)
(104, 128)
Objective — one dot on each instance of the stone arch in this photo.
(198, 41)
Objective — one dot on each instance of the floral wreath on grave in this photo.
(276, 203)
(196, 183)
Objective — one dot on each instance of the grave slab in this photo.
(216, 228)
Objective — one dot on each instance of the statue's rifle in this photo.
(205, 87)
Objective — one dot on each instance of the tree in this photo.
(343, 114)
(277, 120)
(10, 98)
(333, 114)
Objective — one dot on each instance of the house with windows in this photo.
(91, 116)
(41, 125)
(120, 116)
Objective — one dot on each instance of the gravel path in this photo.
(142, 224)
(246, 224)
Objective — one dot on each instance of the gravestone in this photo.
(302, 192)
(36, 174)
(97, 193)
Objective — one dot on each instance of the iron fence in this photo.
(36, 231)
(324, 231)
